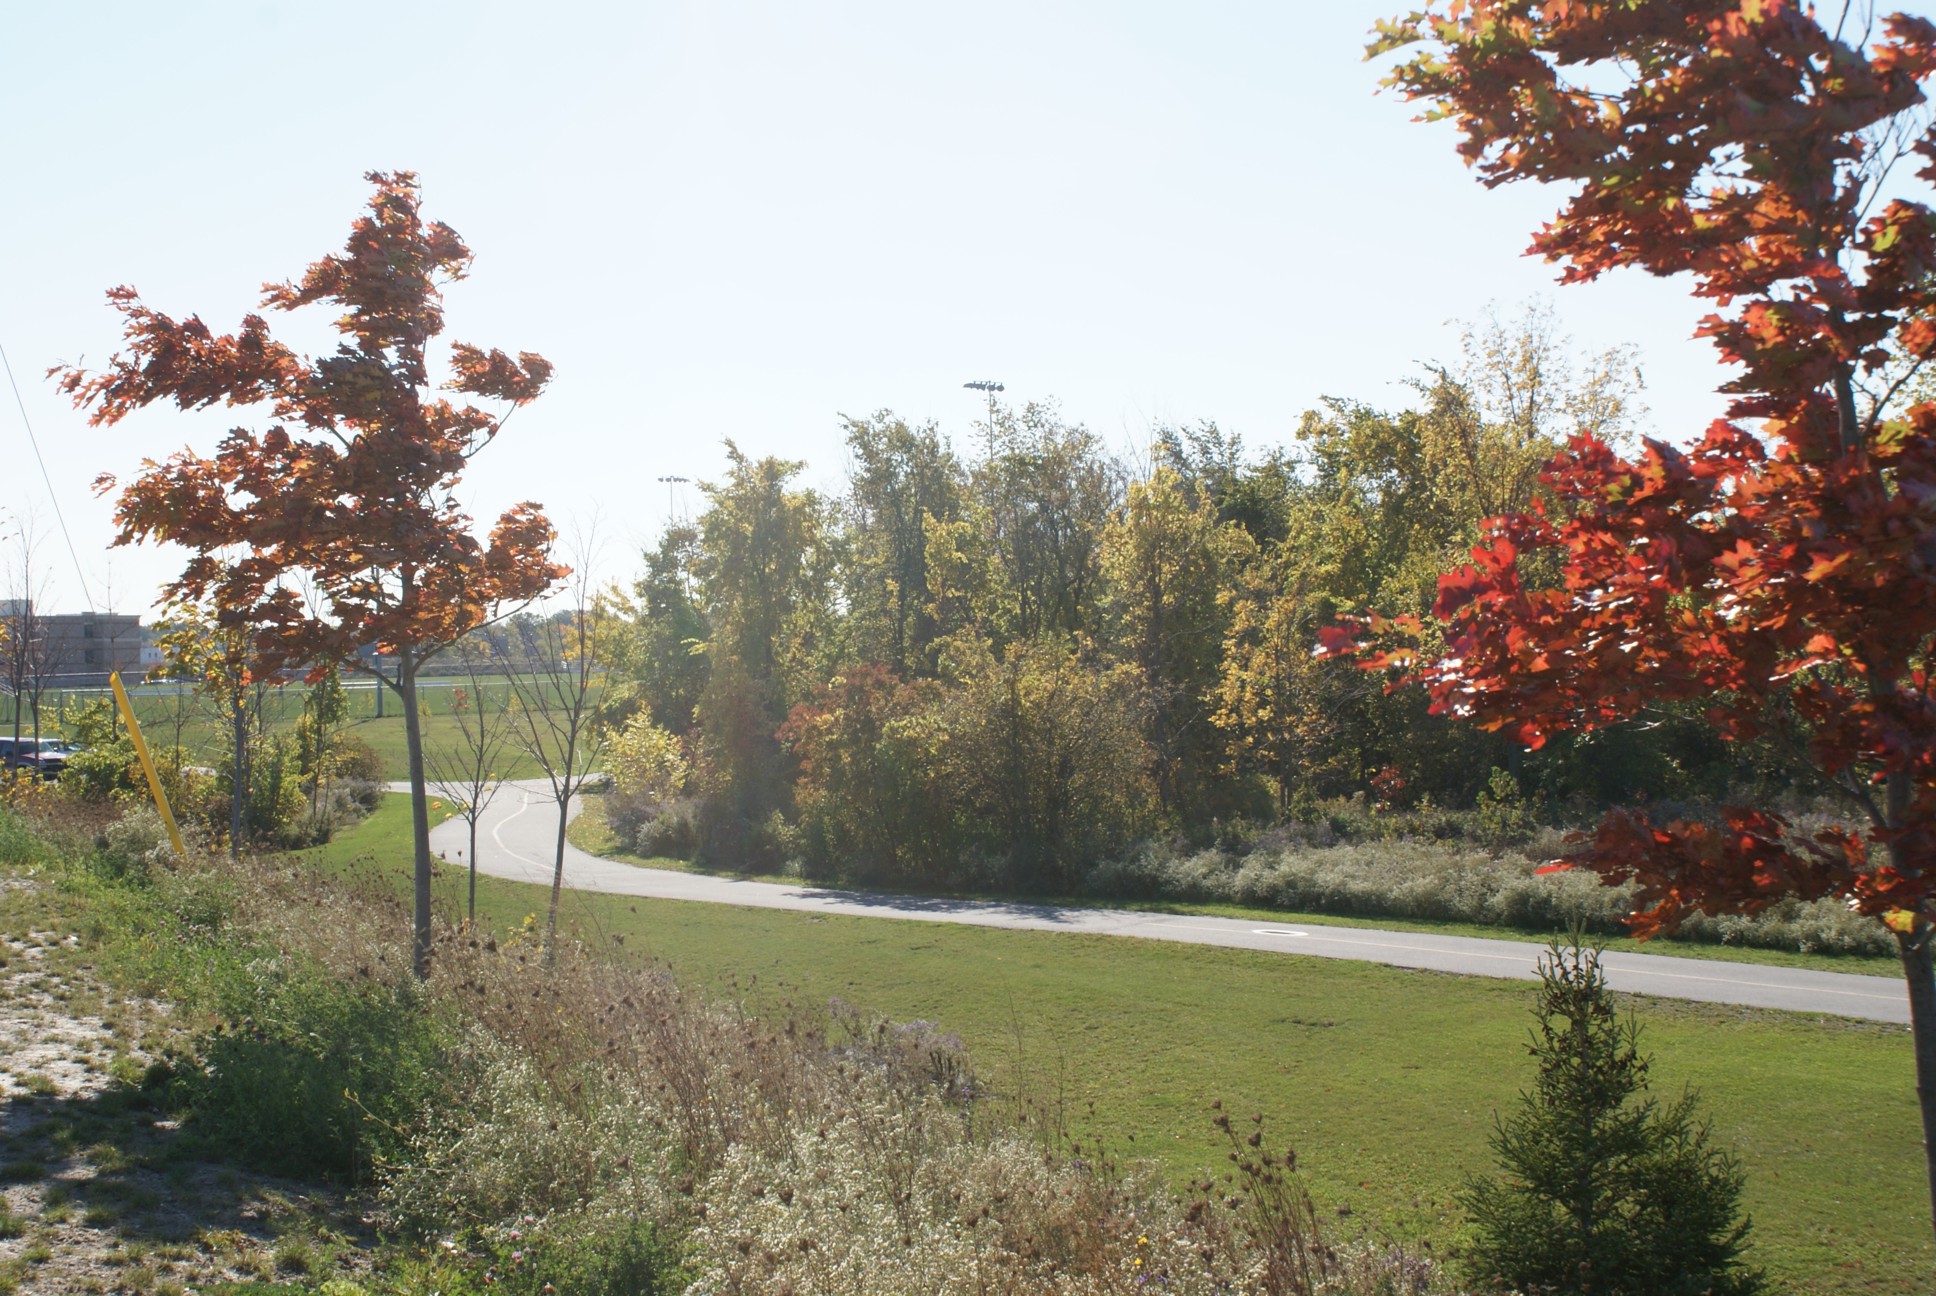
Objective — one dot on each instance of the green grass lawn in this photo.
(589, 832)
(169, 716)
(382, 838)
(385, 737)
(1385, 1080)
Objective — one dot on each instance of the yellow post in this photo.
(147, 763)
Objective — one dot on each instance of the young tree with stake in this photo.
(347, 489)
(1781, 570)
(226, 669)
(465, 771)
(554, 711)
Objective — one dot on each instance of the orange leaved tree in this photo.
(1780, 571)
(331, 528)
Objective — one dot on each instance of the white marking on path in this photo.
(497, 831)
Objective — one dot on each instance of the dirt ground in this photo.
(99, 1192)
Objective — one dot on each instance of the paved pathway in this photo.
(519, 833)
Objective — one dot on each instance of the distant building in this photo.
(78, 649)
(86, 647)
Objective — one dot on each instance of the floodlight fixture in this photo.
(990, 386)
(672, 484)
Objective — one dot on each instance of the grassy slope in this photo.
(1385, 1080)
(589, 833)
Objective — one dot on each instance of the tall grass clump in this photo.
(1398, 879)
(308, 1076)
(20, 847)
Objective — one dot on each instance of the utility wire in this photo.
(51, 495)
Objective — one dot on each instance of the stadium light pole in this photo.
(989, 386)
(672, 484)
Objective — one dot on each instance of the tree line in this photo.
(995, 662)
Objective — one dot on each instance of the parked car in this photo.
(54, 753)
(47, 757)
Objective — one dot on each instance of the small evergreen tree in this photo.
(1603, 1192)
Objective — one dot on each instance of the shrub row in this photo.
(1436, 881)
(1476, 866)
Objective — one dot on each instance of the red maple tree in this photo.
(333, 528)
(1781, 571)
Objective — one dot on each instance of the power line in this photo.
(53, 498)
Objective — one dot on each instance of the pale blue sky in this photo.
(743, 219)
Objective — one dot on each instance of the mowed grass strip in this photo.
(590, 832)
(1385, 1080)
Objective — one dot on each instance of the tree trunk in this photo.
(557, 878)
(1845, 411)
(470, 909)
(1920, 974)
(238, 775)
(1918, 970)
(316, 763)
(419, 815)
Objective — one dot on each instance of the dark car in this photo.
(47, 757)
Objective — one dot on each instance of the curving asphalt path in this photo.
(519, 832)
